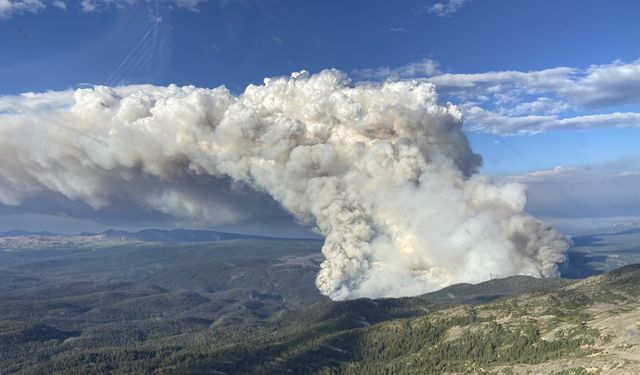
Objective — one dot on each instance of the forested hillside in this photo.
(250, 306)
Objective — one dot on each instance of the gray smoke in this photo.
(383, 171)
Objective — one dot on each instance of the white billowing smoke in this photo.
(383, 172)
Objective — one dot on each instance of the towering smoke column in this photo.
(382, 171)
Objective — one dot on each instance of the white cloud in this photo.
(536, 81)
(595, 87)
(541, 174)
(602, 85)
(188, 4)
(541, 104)
(422, 68)
(626, 174)
(10, 8)
(446, 8)
(517, 102)
(485, 121)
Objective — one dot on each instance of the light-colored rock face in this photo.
(612, 327)
(619, 355)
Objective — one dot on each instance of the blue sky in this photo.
(572, 102)
(240, 42)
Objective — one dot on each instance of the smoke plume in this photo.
(382, 170)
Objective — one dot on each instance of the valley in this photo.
(250, 306)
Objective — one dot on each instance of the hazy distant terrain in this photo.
(603, 250)
(23, 240)
(251, 306)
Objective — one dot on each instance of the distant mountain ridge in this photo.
(176, 235)
(147, 235)
(24, 233)
(629, 226)
(24, 240)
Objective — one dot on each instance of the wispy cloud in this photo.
(11, 8)
(543, 174)
(276, 39)
(215, 47)
(486, 121)
(596, 86)
(517, 102)
(446, 8)
(627, 174)
(514, 102)
(423, 68)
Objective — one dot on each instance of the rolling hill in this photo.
(251, 306)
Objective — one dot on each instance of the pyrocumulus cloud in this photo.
(382, 170)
